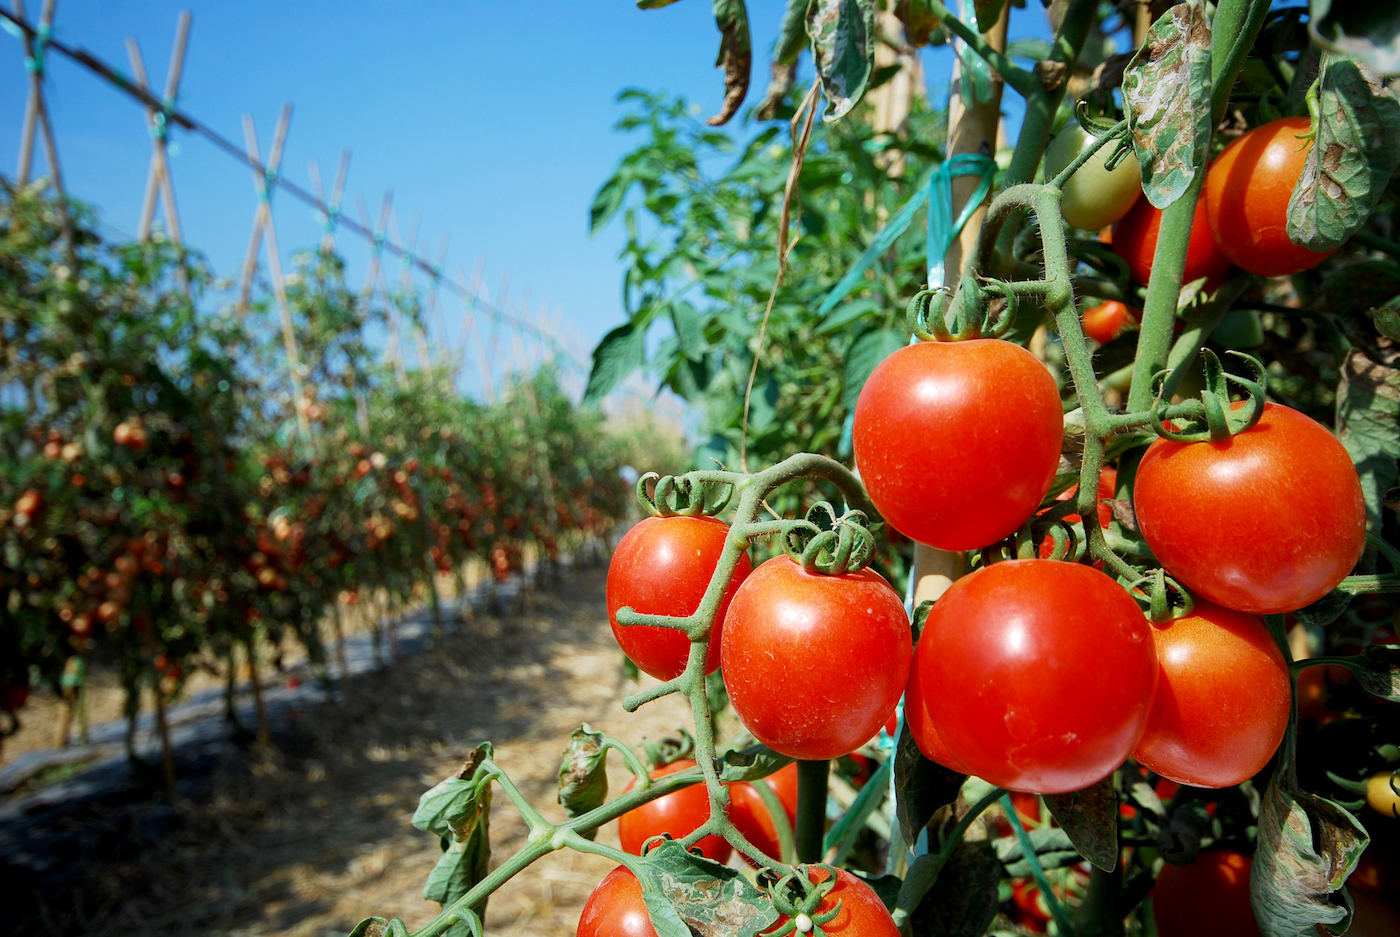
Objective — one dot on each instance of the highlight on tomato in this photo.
(958, 442)
(615, 908)
(678, 813)
(1208, 898)
(750, 814)
(1036, 675)
(1094, 197)
(1246, 195)
(1266, 522)
(815, 663)
(1103, 322)
(1222, 699)
(1135, 240)
(662, 566)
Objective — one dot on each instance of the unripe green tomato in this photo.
(1094, 197)
(1239, 328)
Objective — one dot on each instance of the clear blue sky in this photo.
(492, 119)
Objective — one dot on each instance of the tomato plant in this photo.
(1095, 196)
(662, 567)
(677, 813)
(1037, 675)
(986, 412)
(751, 816)
(814, 663)
(1135, 240)
(1222, 699)
(1208, 898)
(1266, 522)
(1246, 198)
(615, 908)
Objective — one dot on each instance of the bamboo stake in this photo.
(260, 183)
(972, 128)
(35, 111)
(332, 210)
(432, 306)
(158, 177)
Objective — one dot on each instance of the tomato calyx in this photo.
(1211, 417)
(1154, 590)
(1103, 133)
(683, 495)
(971, 308)
(830, 545)
(796, 897)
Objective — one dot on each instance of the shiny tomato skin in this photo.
(921, 725)
(678, 813)
(615, 908)
(1135, 240)
(1103, 322)
(815, 664)
(862, 913)
(1037, 675)
(1246, 196)
(750, 814)
(957, 442)
(1266, 522)
(1383, 794)
(1222, 699)
(1208, 898)
(662, 566)
(1093, 197)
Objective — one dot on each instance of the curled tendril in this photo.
(1064, 539)
(927, 322)
(797, 897)
(681, 495)
(1220, 420)
(1120, 153)
(827, 544)
(1096, 127)
(1157, 590)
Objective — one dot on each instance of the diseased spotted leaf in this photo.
(583, 776)
(918, 19)
(1352, 157)
(1166, 92)
(712, 899)
(921, 786)
(1380, 673)
(1368, 414)
(379, 927)
(1367, 29)
(1090, 819)
(735, 56)
(1307, 847)
(843, 49)
(452, 808)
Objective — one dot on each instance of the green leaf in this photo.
(608, 200)
(853, 311)
(1351, 160)
(963, 901)
(583, 775)
(751, 764)
(452, 808)
(735, 56)
(620, 353)
(792, 32)
(1387, 320)
(988, 12)
(921, 786)
(1380, 673)
(654, 4)
(1307, 847)
(1090, 818)
(843, 49)
(869, 347)
(1325, 610)
(763, 405)
(1367, 29)
(690, 332)
(1166, 92)
(713, 899)
(1368, 419)
(379, 927)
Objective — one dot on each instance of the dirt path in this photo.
(311, 839)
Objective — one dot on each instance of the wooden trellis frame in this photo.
(331, 214)
(158, 177)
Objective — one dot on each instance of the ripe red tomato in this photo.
(862, 913)
(1103, 322)
(678, 813)
(662, 567)
(1135, 240)
(616, 908)
(1108, 485)
(750, 815)
(815, 664)
(1208, 898)
(1246, 197)
(921, 722)
(1266, 522)
(1222, 699)
(1038, 675)
(1032, 910)
(957, 442)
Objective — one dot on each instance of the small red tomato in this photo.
(662, 567)
(1222, 699)
(1208, 898)
(616, 908)
(1108, 484)
(1103, 322)
(1246, 196)
(1266, 522)
(957, 442)
(1037, 675)
(861, 912)
(750, 814)
(1135, 240)
(678, 813)
(814, 663)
